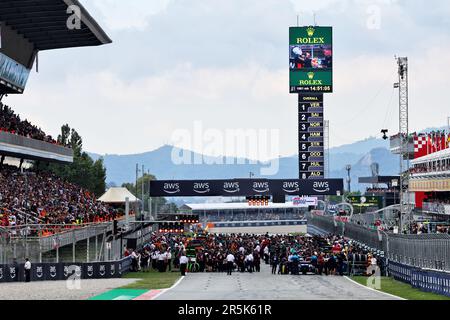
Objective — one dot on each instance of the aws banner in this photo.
(245, 187)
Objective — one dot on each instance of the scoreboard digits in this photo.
(311, 136)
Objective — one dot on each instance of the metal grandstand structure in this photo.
(28, 27)
(44, 23)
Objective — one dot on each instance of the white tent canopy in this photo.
(117, 195)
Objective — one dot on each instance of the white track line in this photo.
(368, 288)
(165, 290)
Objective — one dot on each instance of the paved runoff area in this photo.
(58, 290)
(265, 286)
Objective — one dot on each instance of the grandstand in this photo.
(27, 28)
(430, 176)
(34, 204)
(242, 211)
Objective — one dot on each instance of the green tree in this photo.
(84, 171)
(160, 204)
(63, 138)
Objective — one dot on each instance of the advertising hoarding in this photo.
(311, 59)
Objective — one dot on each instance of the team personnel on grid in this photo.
(27, 268)
(230, 263)
(183, 263)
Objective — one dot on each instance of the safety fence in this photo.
(430, 251)
(90, 243)
(425, 280)
(65, 271)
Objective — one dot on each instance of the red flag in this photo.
(429, 144)
(420, 146)
(443, 141)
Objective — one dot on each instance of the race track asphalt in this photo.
(265, 286)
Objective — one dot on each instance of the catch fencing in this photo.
(426, 251)
(87, 243)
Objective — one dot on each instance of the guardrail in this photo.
(62, 246)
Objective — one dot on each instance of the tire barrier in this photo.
(64, 271)
(425, 280)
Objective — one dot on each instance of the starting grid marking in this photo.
(120, 294)
(133, 294)
(149, 295)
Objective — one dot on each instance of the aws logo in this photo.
(291, 187)
(231, 187)
(261, 187)
(202, 188)
(113, 270)
(172, 188)
(321, 186)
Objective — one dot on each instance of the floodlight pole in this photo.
(349, 179)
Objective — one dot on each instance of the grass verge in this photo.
(403, 290)
(152, 280)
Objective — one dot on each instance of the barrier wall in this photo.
(64, 271)
(425, 280)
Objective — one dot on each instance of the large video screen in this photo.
(311, 59)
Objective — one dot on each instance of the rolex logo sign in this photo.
(310, 31)
(310, 75)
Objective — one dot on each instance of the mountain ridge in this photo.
(122, 168)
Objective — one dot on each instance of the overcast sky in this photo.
(225, 63)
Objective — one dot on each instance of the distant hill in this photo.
(122, 168)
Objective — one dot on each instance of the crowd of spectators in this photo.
(427, 228)
(12, 123)
(43, 198)
(382, 190)
(286, 254)
(254, 215)
(437, 166)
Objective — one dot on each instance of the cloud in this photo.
(134, 14)
(225, 63)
